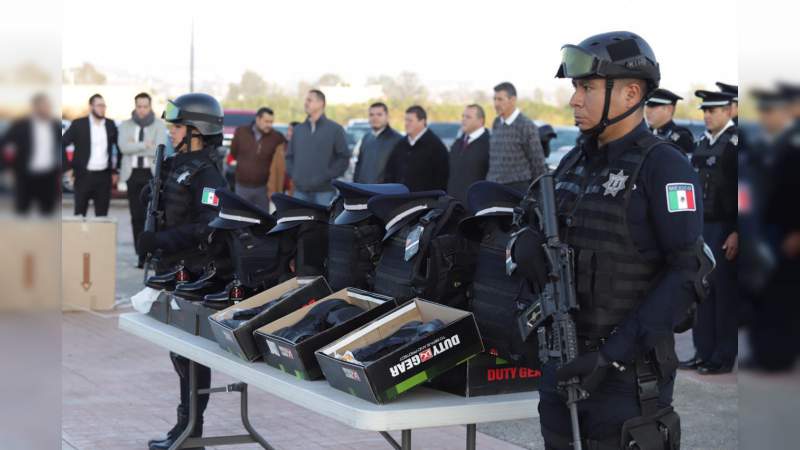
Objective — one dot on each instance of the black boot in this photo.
(176, 431)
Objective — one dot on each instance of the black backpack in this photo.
(353, 251)
(497, 298)
(260, 260)
(437, 265)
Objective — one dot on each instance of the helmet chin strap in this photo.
(598, 129)
(186, 142)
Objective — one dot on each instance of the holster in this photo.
(660, 430)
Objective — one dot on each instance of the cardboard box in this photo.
(299, 359)
(30, 269)
(182, 314)
(383, 380)
(159, 310)
(239, 341)
(488, 375)
(88, 262)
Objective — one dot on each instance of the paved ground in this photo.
(119, 391)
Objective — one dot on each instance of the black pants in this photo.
(715, 330)
(138, 180)
(93, 185)
(521, 186)
(37, 188)
(181, 366)
(602, 414)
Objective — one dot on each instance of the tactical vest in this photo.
(498, 298)
(707, 162)
(311, 244)
(177, 194)
(257, 258)
(353, 251)
(611, 276)
(437, 267)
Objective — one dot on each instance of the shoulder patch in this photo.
(210, 197)
(735, 139)
(680, 197)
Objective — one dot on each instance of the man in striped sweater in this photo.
(516, 156)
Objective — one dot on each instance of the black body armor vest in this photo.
(707, 161)
(611, 275)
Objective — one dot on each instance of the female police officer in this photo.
(627, 206)
(196, 131)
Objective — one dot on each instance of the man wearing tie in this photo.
(469, 155)
(138, 138)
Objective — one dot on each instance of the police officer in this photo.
(733, 90)
(716, 161)
(195, 127)
(659, 110)
(627, 207)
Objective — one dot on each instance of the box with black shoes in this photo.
(488, 375)
(233, 327)
(289, 343)
(400, 350)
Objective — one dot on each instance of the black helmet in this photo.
(200, 111)
(614, 55)
(618, 54)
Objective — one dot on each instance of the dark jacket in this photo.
(20, 135)
(315, 158)
(468, 164)
(78, 133)
(423, 167)
(681, 136)
(373, 154)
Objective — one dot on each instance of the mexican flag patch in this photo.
(210, 197)
(680, 197)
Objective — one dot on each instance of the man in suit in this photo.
(33, 142)
(469, 155)
(420, 160)
(91, 168)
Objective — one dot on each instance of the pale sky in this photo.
(473, 44)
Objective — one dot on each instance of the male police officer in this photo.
(659, 110)
(195, 122)
(716, 161)
(626, 206)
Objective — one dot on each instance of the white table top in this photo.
(420, 408)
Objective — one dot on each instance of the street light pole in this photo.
(191, 60)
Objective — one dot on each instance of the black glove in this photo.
(147, 243)
(146, 194)
(591, 368)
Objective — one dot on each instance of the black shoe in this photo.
(166, 281)
(691, 364)
(710, 368)
(173, 434)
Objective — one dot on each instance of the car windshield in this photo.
(566, 137)
(237, 119)
(445, 130)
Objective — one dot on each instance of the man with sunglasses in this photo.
(627, 207)
(188, 196)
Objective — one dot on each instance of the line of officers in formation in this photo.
(640, 216)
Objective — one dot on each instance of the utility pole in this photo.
(191, 60)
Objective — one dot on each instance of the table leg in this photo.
(471, 436)
(390, 440)
(405, 441)
(246, 422)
